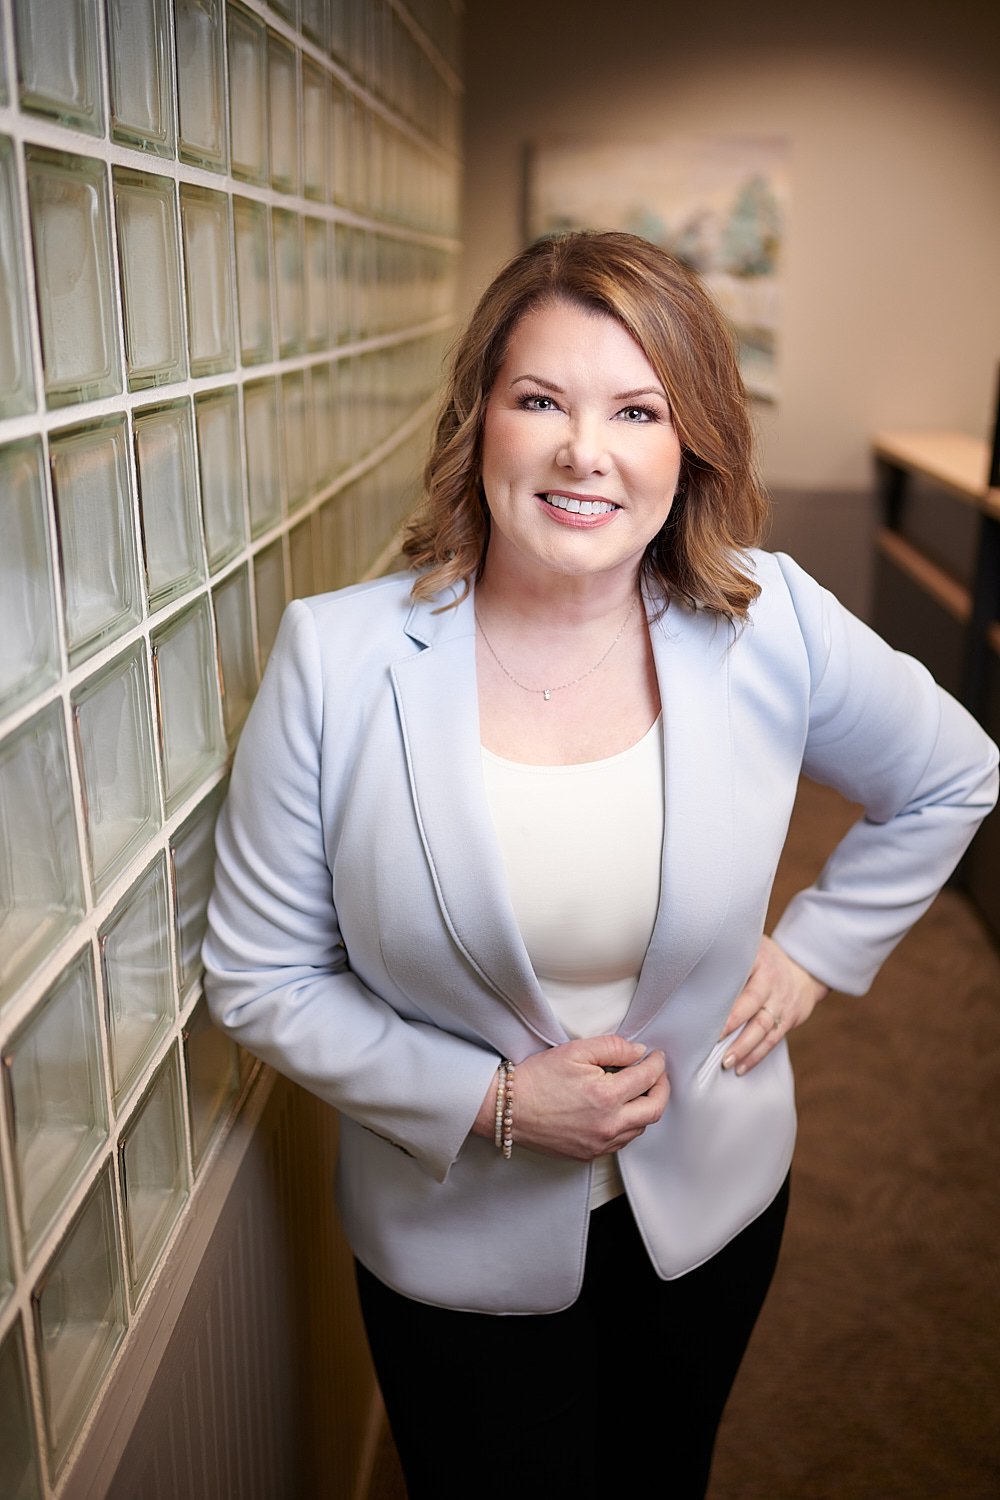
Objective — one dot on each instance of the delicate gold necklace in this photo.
(547, 692)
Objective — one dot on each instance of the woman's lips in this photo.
(579, 511)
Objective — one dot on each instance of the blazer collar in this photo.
(438, 707)
(691, 650)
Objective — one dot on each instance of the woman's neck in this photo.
(555, 600)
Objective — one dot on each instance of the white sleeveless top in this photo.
(582, 848)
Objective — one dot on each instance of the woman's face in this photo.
(580, 457)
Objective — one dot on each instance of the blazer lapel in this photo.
(438, 707)
(691, 649)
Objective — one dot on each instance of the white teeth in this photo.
(582, 507)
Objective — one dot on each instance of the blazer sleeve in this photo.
(885, 735)
(276, 972)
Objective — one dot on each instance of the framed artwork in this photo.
(719, 203)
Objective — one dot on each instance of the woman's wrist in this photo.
(485, 1122)
(495, 1118)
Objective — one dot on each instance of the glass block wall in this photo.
(227, 241)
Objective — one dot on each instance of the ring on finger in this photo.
(775, 1019)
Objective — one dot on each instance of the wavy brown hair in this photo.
(720, 506)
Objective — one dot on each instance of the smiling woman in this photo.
(493, 876)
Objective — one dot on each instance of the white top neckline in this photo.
(578, 765)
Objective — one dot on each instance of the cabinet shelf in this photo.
(951, 623)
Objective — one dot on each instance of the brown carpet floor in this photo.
(874, 1373)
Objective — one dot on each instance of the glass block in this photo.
(340, 144)
(297, 435)
(357, 132)
(211, 1063)
(117, 764)
(205, 226)
(41, 882)
(324, 385)
(237, 663)
(134, 944)
(315, 132)
(99, 561)
(260, 422)
(363, 163)
(80, 1317)
(168, 498)
(154, 1172)
(72, 251)
(57, 62)
(359, 410)
(343, 413)
(201, 92)
(151, 283)
(247, 39)
(317, 284)
(142, 111)
(361, 499)
(269, 590)
(192, 742)
(286, 231)
(339, 28)
(300, 547)
(55, 1097)
(19, 1477)
(283, 114)
(17, 383)
(316, 21)
(29, 653)
(360, 276)
(376, 165)
(343, 279)
(220, 466)
(192, 865)
(338, 542)
(253, 280)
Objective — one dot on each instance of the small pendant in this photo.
(546, 694)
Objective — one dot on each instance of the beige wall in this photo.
(892, 113)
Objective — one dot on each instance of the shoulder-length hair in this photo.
(720, 505)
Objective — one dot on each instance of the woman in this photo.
(493, 874)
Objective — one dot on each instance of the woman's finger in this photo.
(762, 1033)
(778, 996)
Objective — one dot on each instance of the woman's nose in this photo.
(583, 450)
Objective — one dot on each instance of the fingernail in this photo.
(741, 1070)
(729, 1059)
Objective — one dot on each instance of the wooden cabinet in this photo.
(937, 588)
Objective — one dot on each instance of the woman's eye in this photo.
(537, 403)
(638, 414)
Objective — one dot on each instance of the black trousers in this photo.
(620, 1394)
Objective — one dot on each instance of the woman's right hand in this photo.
(567, 1104)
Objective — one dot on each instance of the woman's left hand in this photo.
(778, 995)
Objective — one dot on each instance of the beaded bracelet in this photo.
(508, 1111)
(503, 1133)
(501, 1095)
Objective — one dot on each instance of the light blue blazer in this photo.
(361, 936)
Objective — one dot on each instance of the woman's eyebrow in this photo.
(540, 380)
(646, 390)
